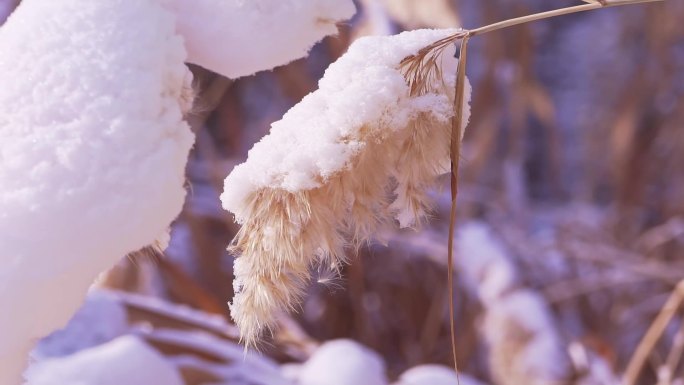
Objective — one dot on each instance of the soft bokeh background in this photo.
(571, 217)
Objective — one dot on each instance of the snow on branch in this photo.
(239, 38)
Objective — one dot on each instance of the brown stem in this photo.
(554, 13)
(456, 135)
(648, 342)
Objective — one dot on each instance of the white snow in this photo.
(92, 154)
(343, 362)
(542, 356)
(518, 324)
(319, 136)
(434, 375)
(240, 37)
(486, 267)
(124, 361)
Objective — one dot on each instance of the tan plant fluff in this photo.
(362, 150)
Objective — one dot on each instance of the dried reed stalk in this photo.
(592, 5)
(648, 342)
(455, 154)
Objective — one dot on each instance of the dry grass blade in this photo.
(675, 355)
(530, 18)
(422, 69)
(648, 342)
(456, 135)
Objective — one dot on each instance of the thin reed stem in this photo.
(456, 128)
(530, 18)
(648, 342)
(554, 13)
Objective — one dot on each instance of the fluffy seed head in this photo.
(360, 151)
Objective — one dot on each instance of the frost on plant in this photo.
(359, 151)
(94, 145)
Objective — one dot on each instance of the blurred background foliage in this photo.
(573, 163)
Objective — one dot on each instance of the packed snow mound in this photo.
(92, 155)
(343, 362)
(124, 361)
(238, 38)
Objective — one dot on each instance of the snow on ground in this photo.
(343, 362)
(434, 375)
(125, 360)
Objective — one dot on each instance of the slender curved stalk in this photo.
(650, 339)
(554, 13)
(456, 128)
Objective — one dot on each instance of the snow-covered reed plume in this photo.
(360, 150)
(94, 144)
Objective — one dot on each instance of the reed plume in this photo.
(382, 114)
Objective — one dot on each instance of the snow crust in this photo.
(318, 137)
(126, 360)
(240, 37)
